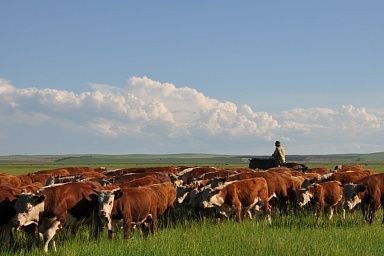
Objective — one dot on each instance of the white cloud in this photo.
(146, 109)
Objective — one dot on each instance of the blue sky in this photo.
(311, 74)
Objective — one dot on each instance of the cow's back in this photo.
(61, 199)
(165, 195)
(135, 204)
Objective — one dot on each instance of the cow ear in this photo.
(38, 199)
(361, 188)
(118, 193)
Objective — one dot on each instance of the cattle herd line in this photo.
(44, 202)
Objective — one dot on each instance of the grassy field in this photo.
(288, 235)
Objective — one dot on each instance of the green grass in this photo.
(288, 235)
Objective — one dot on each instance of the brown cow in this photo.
(319, 170)
(241, 196)
(277, 186)
(11, 180)
(163, 177)
(166, 196)
(324, 195)
(66, 171)
(56, 203)
(132, 206)
(347, 176)
(348, 168)
(144, 181)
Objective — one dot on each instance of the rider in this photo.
(279, 153)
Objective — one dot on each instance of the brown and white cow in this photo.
(129, 206)
(327, 195)
(8, 197)
(278, 188)
(57, 204)
(369, 191)
(240, 196)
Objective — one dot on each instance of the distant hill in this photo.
(204, 159)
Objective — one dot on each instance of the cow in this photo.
(131, 206)
(10, 180)
(319, 170)
(346, 177)
(343, 177)
(369, 191)
(162, 177)
(166, 196)
(66, 171)
(144, 181)
(325, 195)
(241, 196)
(8, 197)
(353, 195)
(277, 186)
(58, 204)
(347, 168)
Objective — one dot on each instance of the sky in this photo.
(220, 77)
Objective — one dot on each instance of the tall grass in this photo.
(288, 235)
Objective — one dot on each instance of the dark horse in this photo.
(266, 163)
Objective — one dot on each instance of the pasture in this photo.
(190, 234)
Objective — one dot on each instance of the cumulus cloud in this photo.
(148, 109)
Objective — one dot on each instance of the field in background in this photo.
(288, 235)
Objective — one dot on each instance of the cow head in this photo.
(175, 179)
(307, 182)
(211, 198)
(303, 196)
(105, 200)
(216, 182)
(182, 193)
(28, 208)
(352, 196)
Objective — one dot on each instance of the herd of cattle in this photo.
(44, 202)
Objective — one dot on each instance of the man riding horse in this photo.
(279, 154)
(277, 160)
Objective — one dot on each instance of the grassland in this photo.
(288, 235)
(191, 235)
